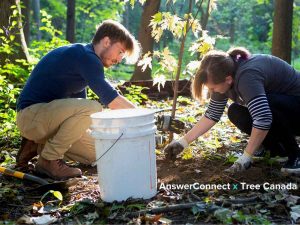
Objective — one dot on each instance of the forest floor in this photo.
(260, 195)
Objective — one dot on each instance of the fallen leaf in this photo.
(44, 220)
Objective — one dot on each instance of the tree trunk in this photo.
(232, 30)
(37, 18)
(26, 20)
(6, 20)
(150, 8)
(282, 29)
(205, 15)
(70, 36)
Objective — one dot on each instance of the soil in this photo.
(199, 169)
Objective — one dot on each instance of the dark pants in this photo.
(280, 139)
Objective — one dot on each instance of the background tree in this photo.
(242, 23)
(282, 29)
(11, 27)
(149, 9)
(25, 11)
(37, 18)
(70, 32)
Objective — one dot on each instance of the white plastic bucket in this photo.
(125, 141)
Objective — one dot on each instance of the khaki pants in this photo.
(62, 127)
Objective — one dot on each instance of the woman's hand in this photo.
(175, 148)
(241, 164)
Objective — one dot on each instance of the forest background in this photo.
(174, 36)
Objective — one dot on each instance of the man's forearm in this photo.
(121, 102)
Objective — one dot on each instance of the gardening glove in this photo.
(175, 147)
(241, 164)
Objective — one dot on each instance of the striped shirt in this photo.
(254, 79)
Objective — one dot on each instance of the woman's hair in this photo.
(118, 33)
(216, 66)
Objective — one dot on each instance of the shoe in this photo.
(292, 166)
(56, 169)
(27, 151)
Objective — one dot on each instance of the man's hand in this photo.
(241, 164)
(175, 148)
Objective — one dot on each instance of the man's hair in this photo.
(116, 32)
(216, 66)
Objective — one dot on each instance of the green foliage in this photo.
(10, 72)
(8, 193)
(58, 11)
(40, 48)
(185, 29)
(119, 72)
(15, 72)
(90, 14)
(244, 23)
(184, 100)
(135, 94)
(227, 216)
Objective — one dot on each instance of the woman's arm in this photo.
(201, 127)
(256, 138)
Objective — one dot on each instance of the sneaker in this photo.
(56, 169)
(292, 166)
(27, 151)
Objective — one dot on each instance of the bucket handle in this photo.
(94, 163)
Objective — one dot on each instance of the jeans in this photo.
(280, 139)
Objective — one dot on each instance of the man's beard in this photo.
(103, 58)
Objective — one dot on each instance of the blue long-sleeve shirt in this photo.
(65, 72)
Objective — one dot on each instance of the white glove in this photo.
(175, 147)
(241, 164)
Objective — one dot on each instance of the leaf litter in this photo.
(202, 163)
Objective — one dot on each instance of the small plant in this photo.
(135, 94)
(56, 194)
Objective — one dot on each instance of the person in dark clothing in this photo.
(266, 95)
(52, 110)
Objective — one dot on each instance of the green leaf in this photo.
(187, 154)
(14, 23)
(157, 17)
(132, 3)
(135, 206)
(57, 194)
(15, 12)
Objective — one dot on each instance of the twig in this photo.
(231, 178)
(169, 208)
(239, 200)
(196, 196)
(77, 220)
(15, 205)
